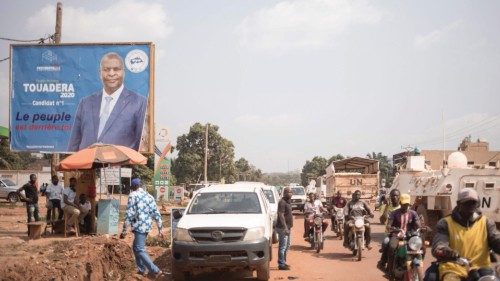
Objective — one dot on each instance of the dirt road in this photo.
(334, 263)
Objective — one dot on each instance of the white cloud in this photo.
(123, 21)
(303, 24)
(423, 42)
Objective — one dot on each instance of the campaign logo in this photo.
(136, 61)
(49, 62)
(49, 57)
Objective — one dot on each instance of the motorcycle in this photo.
(473, 274)
(339, 222)
(408, 256)
(315, 234)
(357, 236)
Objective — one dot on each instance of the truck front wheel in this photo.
(263, 273)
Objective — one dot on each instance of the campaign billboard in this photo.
(66, 97)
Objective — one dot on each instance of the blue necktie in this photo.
(104, 116)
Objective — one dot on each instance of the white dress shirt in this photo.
(115, 95)
(54, 191)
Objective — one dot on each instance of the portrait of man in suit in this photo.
(112, 115)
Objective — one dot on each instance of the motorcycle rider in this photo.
(355, 208)
(394, 204)
(339, 202)
(312, 207)
(406, 220)
(465, 233)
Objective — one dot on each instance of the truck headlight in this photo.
(254, 233)
(182, 234)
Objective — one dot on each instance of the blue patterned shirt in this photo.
(141, 209)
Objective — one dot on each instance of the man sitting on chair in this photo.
(69, 205)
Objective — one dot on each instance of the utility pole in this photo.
(206, 155)
(444, 142)
(57, 40)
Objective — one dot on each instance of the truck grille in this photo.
(233, 254)
(296, 201)
(211, 235)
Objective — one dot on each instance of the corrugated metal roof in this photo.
(355, 163)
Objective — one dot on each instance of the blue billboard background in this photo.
(48, 82)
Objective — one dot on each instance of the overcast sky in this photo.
(288, 80)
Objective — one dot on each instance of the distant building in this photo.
(478, 154)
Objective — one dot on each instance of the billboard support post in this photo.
(57, 40)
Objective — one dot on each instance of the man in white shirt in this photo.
(69, 204)
(54, 195)
(313, 206)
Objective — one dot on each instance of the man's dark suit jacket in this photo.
(124, 125)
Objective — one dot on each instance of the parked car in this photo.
(8, 190)
(299, 197)
(273, 199)
(224, 227)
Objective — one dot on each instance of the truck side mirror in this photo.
(176, 214)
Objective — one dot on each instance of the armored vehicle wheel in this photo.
(429, 218)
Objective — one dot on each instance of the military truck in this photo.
(434, 192)
(351, 174)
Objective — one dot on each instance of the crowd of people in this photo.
(466, 233)
(59, 199)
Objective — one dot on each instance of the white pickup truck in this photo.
(224, 227)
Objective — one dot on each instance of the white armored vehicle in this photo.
(434, 192)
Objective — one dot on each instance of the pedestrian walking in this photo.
(284, 227)
(141, 209)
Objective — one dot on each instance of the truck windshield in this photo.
(225, 203)
(298, 191)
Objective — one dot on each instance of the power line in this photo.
(475, 131)
(4, 59)
(461, 131)
(39, 40)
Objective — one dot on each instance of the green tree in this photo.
(189, 164)
(10, 160)
(281, 179)
(246, 171)
(313, 169)
(385, 167)
(335, 158)
(145, 172)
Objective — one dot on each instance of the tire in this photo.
(317, 243)
(359, 241)
(383, 219)
(270, 252)
(178, 275)
(341, 233)
(12, 197)
(263, 272)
